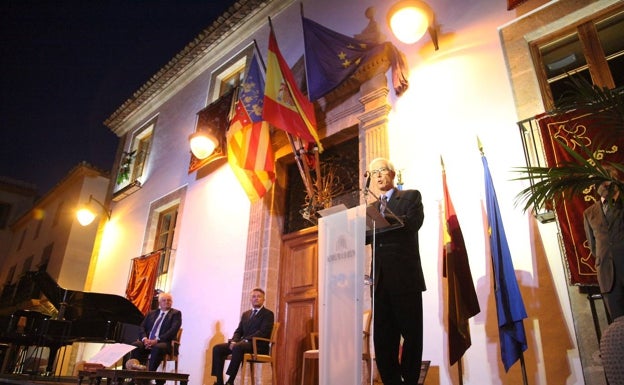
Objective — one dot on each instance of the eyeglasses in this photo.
(380, 171)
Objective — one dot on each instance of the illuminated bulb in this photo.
(409, 20)
(85, 216)
(202, 145)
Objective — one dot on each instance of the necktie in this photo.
(253, 313)
(156, 326)
(382, 205)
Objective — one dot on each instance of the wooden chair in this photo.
(255, 358)
(366, 355)
(313, 353)
(175, 351)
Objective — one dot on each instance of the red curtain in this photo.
(511, 4)
(575, 128)
(140, 289)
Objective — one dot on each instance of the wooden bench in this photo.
(117, 377)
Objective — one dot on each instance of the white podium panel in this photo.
(341, 282)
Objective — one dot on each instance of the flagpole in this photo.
(460, 371)
(524, 374)
(290, 137)
(515, 349)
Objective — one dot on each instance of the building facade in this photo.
(215, 246)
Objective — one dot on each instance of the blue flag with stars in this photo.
(509, 305)
(331, 58)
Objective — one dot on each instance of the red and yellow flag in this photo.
(285, 107)
(250, 154)
(462, 297)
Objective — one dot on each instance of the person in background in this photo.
(158, 328)
(398, 280)
(255, 322)
(604, 228)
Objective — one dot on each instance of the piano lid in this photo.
(73, 305)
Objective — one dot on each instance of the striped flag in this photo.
(509, 305)
(285, 106)
(250, 154)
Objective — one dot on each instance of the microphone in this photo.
(367, 175)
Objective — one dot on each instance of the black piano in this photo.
(76, 316)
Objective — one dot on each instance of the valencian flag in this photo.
(250, 154)
(285, 107)
(509, 305)
(462, 297)
(331, 58)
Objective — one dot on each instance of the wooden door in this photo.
(298, 289)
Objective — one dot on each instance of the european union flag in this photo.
(331, 58)
(509, 305)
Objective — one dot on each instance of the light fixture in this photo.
(202, 144)
(85, 215)
(409, 20)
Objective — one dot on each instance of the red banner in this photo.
(575, 129)
(140, 289)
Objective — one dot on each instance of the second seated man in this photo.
(255, 322)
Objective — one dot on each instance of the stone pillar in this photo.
(373, 130)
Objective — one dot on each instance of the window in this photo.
(231, 74)
(38, 229)
(45, 257)
(160, 234)
(593, 50)
(133, 165)
(21, 242)
(5, 210)
(164, 236)
(27, 264)
(10, 275)
(59, 212)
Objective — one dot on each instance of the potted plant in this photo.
(125, 167)
(586, 167)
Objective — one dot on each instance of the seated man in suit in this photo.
(255, 322)
(158, 328)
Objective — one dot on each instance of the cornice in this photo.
(194, 51)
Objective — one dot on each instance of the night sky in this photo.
(66, 66)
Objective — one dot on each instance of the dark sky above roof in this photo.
(67, 65)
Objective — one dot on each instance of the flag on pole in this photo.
(250, 154)
(332, 58)
(285, 106)
(509, 305)
(462, 296)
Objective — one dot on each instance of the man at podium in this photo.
(398, 280)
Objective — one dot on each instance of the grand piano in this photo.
(71, 316)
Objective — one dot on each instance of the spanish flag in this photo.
(285, 106)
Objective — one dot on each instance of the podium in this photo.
(341, 238)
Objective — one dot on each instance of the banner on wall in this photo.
(140, 289)
(575, 128)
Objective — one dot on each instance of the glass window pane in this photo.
(562, 55)
(611, 35)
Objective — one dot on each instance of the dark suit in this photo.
(399, 283)
(168, 331)
(260, 325)
(605, 236)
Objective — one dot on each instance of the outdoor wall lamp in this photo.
(202, 144)
(410, 19)
(85, 215)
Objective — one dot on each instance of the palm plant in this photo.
(586, 167)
